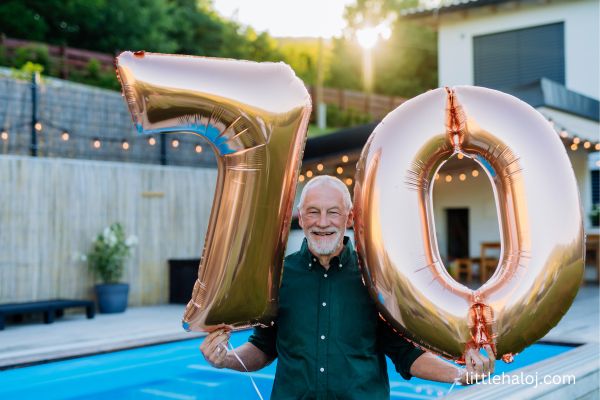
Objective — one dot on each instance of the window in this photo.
(514, 58)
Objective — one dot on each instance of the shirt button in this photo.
(322, 337)
(322, 369)
(324, 275)
(324, 304)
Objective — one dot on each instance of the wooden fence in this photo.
(67, 58)
(51, 209)
(71, 59)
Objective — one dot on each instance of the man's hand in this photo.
(478, 366)
(214, 347)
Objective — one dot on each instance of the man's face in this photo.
(324, 219)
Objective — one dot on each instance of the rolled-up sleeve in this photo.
(402, 353)
(265, 340)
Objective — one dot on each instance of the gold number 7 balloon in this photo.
(255, 116)
(541, 263)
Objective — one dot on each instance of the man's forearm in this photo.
(431, 367)
(252, 357)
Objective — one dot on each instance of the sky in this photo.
(288, 18)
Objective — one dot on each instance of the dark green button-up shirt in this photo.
(328, 337)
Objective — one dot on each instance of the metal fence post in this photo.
(163, 149)
(35, 79)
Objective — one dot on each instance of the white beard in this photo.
(325, 245)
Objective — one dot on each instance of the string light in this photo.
(597, 146)
(564, 133)
(319, 167)
(198, 148)
(345, 158)
(339, 170)
(96, 143)
(437, 176)
(125, 145)
(462, 177)
(64, 136)
(576, 140)
(309, 174)
(448, 178)
(151, 141)
(586, 145)
(460, 156)
(348, 181)
(175, 143)
(574, 146)
(38, 126)
(4, 135)
(475, 173)
(301, 178)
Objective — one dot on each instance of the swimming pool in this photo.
(178, 371)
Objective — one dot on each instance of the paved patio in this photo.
(74, 335)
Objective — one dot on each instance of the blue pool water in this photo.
(178, 371)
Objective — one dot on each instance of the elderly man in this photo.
(328, 336)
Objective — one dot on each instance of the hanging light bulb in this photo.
(65, 136)
(319, 167)
(574, 146)
(38, 126)
(460, 156)
(576, 140)
(301, 178)
(175, 143)
(586, 145)
(309, 174)
(348, 181)
(4, 135)
(198, 148)
(345, 158)
(151, 141)
(339, 170)
(125, 145)
(564, 133)
(475, 173)
(96, 143)
(448, 178)
(462, 177)
(597, 146)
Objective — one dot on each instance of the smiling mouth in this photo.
(323, 234)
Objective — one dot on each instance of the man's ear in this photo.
(300, 220)
(350, 220)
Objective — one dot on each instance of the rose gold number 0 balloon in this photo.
(255, 117)
(541, 264)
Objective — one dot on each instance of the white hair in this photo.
(331, 181)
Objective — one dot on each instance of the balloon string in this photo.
(250, 376)
(452, 387)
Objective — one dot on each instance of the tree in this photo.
(405, 65)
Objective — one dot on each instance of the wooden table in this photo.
(592, 248)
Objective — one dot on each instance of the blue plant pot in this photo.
(112, 297)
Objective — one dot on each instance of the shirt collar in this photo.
(341, 259)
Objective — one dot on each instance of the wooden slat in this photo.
(51, 210)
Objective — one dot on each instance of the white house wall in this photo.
(476, 194)
(582, 39)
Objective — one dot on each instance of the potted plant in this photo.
(106, 259)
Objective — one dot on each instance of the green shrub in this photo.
(24, 73)
(339, 118)
(35, 53)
